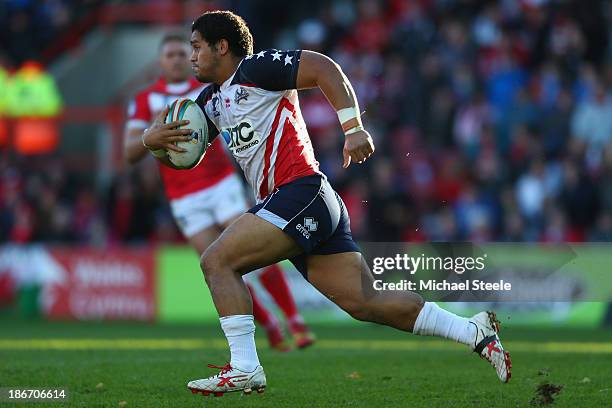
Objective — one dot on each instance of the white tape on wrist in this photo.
(353, 130)
(346, 114)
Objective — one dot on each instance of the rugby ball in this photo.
(186, 109)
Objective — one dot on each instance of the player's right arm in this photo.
(303, 69)
(318, 70)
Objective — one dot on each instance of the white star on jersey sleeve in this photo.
(266, 73)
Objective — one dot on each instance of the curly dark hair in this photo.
(216, 25)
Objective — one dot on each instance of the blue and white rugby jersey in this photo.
(257, 112)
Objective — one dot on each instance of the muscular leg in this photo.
(247, 244)
(251, 242)
(273, 279)
(346, 280)
(200, 242)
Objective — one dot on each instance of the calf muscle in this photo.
(346, 280)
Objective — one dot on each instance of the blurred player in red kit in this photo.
(206, 199)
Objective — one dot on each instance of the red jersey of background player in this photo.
(214, 167)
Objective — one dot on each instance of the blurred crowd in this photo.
(40, 201)
(492, 122)
(28, 27)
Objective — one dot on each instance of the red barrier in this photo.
(117, 284)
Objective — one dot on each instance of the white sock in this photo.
(240, 333)
(435, 321)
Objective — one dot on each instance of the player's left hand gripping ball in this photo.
(358, 147)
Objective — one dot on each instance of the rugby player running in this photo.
(206, 199)
(252, 101)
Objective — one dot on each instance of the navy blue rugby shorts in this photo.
(313, 214)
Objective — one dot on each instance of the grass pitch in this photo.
(132, 365)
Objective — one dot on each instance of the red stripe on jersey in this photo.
(263, 187)
(294, 157)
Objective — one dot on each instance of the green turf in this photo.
(335, 374)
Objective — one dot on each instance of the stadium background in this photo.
(492, 122)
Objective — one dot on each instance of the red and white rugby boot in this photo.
(230, 379)
(488, 345)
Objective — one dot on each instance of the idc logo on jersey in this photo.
(240, 138)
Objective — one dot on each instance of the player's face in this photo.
(174, 61)
(204, 58)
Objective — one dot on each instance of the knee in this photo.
(210, 262)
